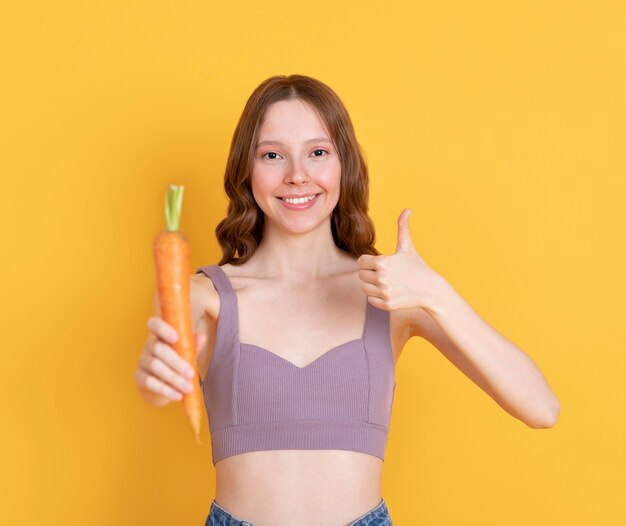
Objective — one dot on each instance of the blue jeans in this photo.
(377, 516)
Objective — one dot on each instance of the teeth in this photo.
(299, 200)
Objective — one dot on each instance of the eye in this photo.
(270, 153)
(320, 150)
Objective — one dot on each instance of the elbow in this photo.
(549, 417)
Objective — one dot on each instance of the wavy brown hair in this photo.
(241, 231)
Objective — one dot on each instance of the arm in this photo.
(439, 314)
(490, 360)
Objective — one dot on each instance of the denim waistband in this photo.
(377, 516)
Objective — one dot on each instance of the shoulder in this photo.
(204, 295)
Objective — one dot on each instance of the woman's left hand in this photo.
(402, 280)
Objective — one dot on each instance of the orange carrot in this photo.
(172, 260)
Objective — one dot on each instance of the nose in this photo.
(296, 174)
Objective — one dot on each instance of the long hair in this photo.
(241, 231)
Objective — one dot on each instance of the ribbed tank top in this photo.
(256, 400)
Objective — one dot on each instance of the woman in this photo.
(299, 335)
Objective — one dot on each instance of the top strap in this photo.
(227, 333)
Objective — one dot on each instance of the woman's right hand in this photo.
(163, 376)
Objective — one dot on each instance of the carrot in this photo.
(172, 261)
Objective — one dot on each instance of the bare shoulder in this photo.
(204, 296)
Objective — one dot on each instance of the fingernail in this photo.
(189, 372)
(188, 387)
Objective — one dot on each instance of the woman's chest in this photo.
(299, 325)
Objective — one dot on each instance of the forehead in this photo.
(293, 120)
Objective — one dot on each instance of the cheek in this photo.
(331, 179)
(260, 183)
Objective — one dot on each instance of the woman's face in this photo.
(294, 156)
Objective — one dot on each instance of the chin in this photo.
(303, 228)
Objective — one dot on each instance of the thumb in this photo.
(404, 236)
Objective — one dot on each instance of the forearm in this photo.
(508, 374)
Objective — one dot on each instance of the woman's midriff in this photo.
(304, 487)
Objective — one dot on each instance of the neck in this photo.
(298, 258)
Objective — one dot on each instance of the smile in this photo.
(300, 203)
(298, 200)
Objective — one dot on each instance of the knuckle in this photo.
(156, 325)
(163, 325)
(171, 393)
(153, 364)
(181, 384)
(162, 349)
(156, 349)
(184, 365)
(161, 328)
(152, 384)
(170, 376)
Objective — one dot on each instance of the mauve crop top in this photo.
(256, 400)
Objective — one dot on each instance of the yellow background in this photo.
(500, 124)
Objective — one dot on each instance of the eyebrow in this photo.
(314, 139)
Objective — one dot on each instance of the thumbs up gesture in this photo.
(399, 281)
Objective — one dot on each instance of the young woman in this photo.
(300, 325)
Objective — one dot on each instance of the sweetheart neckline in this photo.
(336, 347)
(231, 289)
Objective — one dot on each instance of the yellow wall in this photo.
(501, 124)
